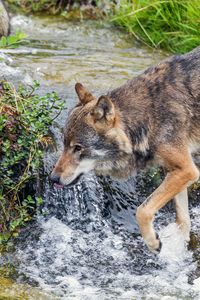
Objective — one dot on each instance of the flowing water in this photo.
(85, 242)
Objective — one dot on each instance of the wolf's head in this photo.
(94, 139)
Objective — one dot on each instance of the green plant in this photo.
(25, 118)
(12, 41)
(170, 24)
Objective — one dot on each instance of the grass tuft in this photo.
(170, 24)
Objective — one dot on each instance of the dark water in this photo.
(85, 242)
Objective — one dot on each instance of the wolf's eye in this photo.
(77, 148)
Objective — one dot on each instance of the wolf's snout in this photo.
(55, 178)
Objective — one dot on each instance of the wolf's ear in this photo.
(84, 95)
(104, 109)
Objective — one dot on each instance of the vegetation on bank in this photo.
(76, 8)
(170, 24)
(25, 118)
(48, 6)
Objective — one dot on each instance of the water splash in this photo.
(77, 254)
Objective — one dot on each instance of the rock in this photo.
(13, 74)
(4, 20)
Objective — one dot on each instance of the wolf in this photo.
(151, 120)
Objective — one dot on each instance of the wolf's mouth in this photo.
(61, 186)
(58, 186)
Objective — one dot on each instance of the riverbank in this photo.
(68, 9)
(173, 25)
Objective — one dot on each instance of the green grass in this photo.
(170, 24)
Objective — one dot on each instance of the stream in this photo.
(85, 243)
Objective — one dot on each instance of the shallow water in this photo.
(85, 243)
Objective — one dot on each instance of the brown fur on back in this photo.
(163, 104)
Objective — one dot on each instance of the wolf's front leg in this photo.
(181, 173)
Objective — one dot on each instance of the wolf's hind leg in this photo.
(182, 213)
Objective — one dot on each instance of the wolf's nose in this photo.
(55, 178)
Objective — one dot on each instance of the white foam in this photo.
(174, 247)
(67, 248)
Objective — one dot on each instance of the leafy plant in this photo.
(12, 41)
(25, 118)
(170, 24)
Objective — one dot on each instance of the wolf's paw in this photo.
(155, 245)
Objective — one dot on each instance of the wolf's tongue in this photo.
(58, 186)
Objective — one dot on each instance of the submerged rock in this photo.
(13, 74)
